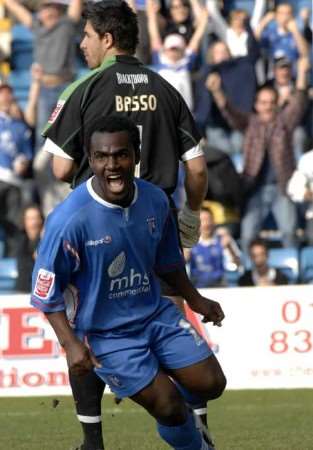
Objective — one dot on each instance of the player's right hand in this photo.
(80, 358)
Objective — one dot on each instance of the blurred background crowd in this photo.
(244, 68)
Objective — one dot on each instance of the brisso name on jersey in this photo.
(129, 284)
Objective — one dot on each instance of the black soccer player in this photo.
(120, 84)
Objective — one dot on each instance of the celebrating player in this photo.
(120, 84)
(108, 239)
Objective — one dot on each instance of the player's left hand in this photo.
(209, 309)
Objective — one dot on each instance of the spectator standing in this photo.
(238, 34)
(54, 49)
(16, 154)
(183, 18)
(284, 83)
(261, 274)
(279, 35)
(268, 155)
(174, 59)
(300, 189)
(27, 245)
(232, 71)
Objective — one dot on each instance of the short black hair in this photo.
(112, 124)
(258, 242)
(114, 17)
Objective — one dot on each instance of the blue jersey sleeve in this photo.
(58, 259)
(169, 256)
(26, 147)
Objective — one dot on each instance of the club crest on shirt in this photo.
(44, 283)
(56, 111)
(151, 225)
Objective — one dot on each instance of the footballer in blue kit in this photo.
(106, 242)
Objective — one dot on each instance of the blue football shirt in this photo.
(109, 256)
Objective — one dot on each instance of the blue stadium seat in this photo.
(306, 265)
(232, 276)
(287, 260)
(22, 48)
(8, 274)
(20, 82)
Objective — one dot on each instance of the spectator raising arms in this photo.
(237, 35)
(174, 59)
(268, 155)
(279, 34)
(54, 48)
(184, 15)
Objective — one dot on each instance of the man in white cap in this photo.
(173, 59)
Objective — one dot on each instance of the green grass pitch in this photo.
(240, 420)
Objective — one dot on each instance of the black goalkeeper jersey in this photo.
(122, 85)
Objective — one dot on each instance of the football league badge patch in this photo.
(44, 283)
(56, 111)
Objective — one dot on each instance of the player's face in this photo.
(112, 159)
(92, 47)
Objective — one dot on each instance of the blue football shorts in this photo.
(130, 361)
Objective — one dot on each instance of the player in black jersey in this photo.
(118, 83)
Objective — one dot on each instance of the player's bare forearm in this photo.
(209, 309)
(61, 327)
(63, 169)
(196, 181)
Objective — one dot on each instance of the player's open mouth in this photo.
(116, 183)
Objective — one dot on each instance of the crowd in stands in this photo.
(244, 68)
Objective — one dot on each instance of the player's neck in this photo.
(116, 52)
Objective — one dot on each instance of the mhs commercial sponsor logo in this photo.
(129, 284)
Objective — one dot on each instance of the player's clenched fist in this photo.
(209, 309)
